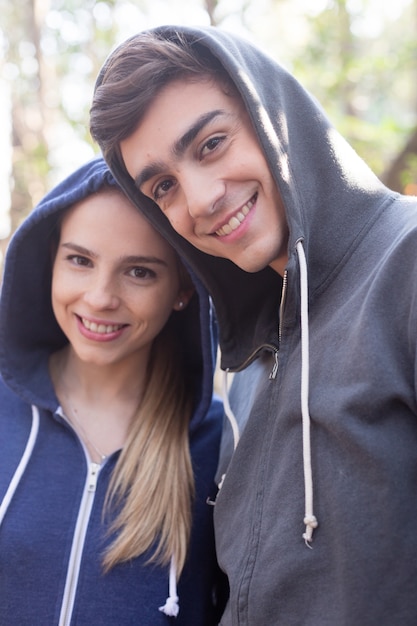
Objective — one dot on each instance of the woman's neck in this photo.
(99, 401)
(97, 382)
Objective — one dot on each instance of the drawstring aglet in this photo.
(170, 607)
(311, 523)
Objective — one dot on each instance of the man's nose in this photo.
(202, 192)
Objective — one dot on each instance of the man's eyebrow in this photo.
(148, 172)
(179, 147)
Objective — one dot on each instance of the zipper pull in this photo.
(92, 477)
(274, 370)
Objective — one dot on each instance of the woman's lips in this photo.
(100, 328)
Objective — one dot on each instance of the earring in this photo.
(180, 304)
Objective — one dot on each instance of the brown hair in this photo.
(132, 77)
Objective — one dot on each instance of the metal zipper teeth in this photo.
(274, 370)
(282, 304)
(78, 544)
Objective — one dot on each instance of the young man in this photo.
(312, 265)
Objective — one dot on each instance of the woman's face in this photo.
(115, 281)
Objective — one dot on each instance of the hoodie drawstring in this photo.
(22, 465)
(228, 410)
(171, 606)
(310, 520)
(231, 418)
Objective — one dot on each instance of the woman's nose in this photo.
(102, 294)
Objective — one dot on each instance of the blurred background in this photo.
(358, 57)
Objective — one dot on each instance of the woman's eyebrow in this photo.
(76, 248)
(138, 259)
(132, 259)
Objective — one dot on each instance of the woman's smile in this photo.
(115, 281)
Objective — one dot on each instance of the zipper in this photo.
(252, 357)
(268, 346)
(78, 543)
(282, 304)
(274, 370)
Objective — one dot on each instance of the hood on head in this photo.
(328, 192)
(29, 332)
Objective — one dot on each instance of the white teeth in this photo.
(236, 220)
(102, 329)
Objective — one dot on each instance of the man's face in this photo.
(195, 153)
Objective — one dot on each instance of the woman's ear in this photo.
(183, 299)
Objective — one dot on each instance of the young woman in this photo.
(109, 432)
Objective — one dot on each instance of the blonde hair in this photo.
(153, 480)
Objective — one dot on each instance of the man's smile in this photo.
(236, 220)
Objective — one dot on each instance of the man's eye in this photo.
(211, 145)
(162, 188)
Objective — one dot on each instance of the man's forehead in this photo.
(182, 110)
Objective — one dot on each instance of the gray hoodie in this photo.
(316, 516)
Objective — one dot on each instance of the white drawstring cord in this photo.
(310, 520)
(22, 465)
(228, 410)
(171, 606)
(231, 417)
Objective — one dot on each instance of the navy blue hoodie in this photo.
(52, 534)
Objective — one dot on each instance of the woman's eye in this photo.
(76, 259)
(142, 272)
